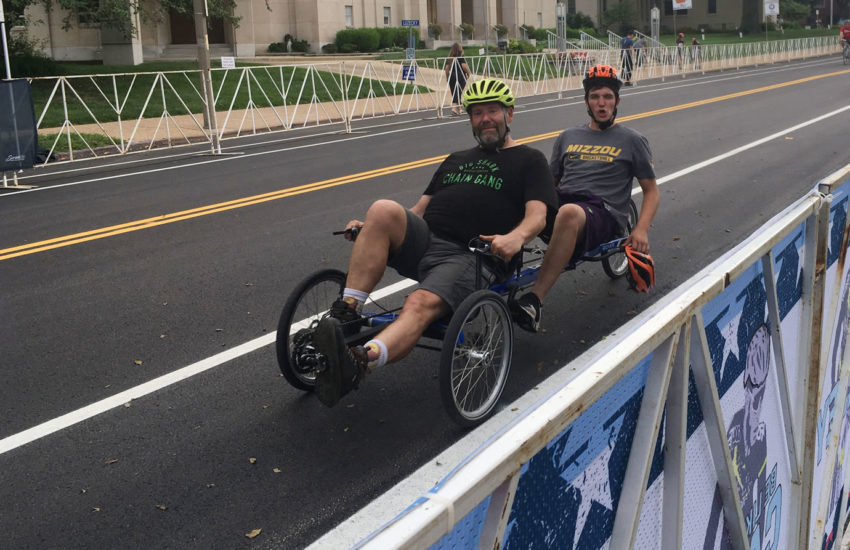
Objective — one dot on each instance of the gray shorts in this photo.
(443, 267)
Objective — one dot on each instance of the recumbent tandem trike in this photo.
(477, 338)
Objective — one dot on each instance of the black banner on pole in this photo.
(18, 136)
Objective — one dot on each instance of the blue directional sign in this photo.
(408, 72)
(409, 22)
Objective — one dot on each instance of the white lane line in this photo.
(74, 417)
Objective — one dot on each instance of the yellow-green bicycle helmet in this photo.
(487, 90)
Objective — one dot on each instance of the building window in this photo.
(712, 6)
(571, 7)
(539, 20)
(387, 17)
(349, 16)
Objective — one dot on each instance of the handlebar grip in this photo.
(353, 231)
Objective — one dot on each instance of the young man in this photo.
(593, 166)
(498, 191)
(844, 33)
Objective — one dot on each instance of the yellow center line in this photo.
(77, 238)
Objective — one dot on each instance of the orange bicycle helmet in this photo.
(601, 75)
(641, 273)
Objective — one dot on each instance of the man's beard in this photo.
(489, 140)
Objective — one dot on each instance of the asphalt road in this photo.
(199, 254)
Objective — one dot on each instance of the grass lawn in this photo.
(77, 144)
(181, 91)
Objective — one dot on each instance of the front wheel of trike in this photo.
(476, 358)
(307, 304)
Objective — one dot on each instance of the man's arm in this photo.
(639, 239)
(532, 223)
(421, 204)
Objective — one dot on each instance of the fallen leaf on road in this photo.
(137, 362)
(162, 507)
(254, 533)
(111, 461)
(252, 460)
(276, 470)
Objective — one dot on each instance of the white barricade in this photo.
(718, 418)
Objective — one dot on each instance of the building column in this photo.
(244, 43)
(119, 49)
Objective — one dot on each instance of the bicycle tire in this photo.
(846, 55)
(305, 306)
(476, 358)
(616, 265)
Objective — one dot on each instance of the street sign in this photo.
(408, 72)
(771, 8)
(410, 53)
(409, 22)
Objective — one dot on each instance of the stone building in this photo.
(262, 22)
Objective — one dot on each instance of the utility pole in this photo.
(201, 14)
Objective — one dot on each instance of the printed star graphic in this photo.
(593, 483)
(730, 338)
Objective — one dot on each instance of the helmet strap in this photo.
(604, 125)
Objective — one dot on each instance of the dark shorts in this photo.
(443, 267)
(600, 227)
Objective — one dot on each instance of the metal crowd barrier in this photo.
(164, 109)
(718, 418)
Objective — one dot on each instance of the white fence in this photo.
(719, 418)
(144, 111)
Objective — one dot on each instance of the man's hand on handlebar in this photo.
(352, 229)
(504, 246)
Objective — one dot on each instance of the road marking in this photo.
(69, 419)
(74, 417)
(95, 234)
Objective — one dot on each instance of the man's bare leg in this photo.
(383, 232)
(420, 309)
(569, 225)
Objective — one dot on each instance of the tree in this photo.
(116, 14)
(792, 10)
(620, 16)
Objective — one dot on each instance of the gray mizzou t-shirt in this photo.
(602, 163)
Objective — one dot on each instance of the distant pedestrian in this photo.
(680, 49)
(640, 50)
(457, 73)
(627, 47)
(696, 52)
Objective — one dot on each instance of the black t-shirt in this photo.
(480, 192)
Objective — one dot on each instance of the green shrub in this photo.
(392, 36)
(330, 47)
(529, 30)
(500, 30)
(434, 30)
(300, 46)
(363, 40)
(27, 59)
(467, 30)
(521, 46)
(347, 47)
(542, 34)
(579, 21)
(277, 47)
